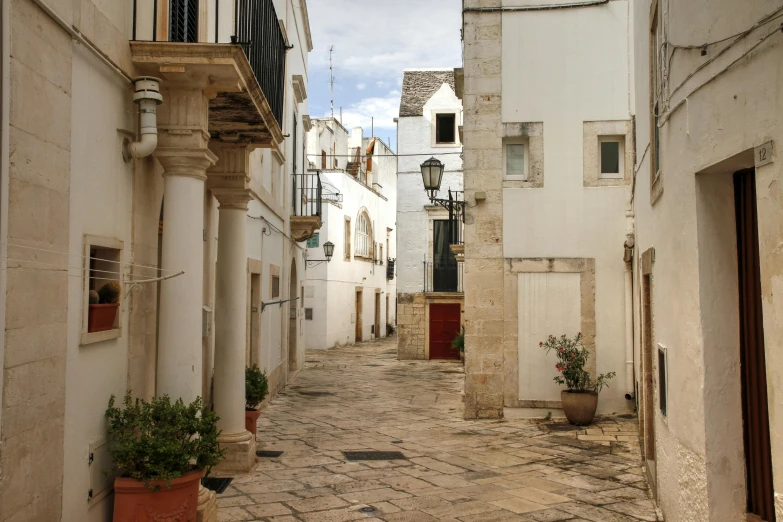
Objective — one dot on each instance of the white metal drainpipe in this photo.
(629, 352)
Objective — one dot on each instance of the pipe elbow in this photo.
(144, 147)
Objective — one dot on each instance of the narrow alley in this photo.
(362, 399)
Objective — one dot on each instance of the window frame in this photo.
(364, 237)
(106, 243)
(347, 238)
(434, 127)
(525, 176)
(656, 85)
(620, 140)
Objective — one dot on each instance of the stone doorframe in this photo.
(515, 266)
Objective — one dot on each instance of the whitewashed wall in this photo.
(331, 288)
(579, 60)
(414, 136)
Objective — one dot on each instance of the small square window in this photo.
(612, 153)
(309, 314)
(313, 242)
(103, 289)
(445, 128)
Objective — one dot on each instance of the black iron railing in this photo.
(390, 268)
(307, 193)
(257, 30)
(444, 276)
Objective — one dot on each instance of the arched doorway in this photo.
(292, 317)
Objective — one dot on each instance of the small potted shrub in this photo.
(580, 399)
(256, 390)
(459, 343)
(162, 450)
(103, 307)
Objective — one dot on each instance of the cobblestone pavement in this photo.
(360, 398)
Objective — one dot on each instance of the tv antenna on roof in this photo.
(331, 77)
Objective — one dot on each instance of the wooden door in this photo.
(755, 412)
(377, 315)
(444, 326)
(358, 337)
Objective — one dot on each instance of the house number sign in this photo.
(764, 153)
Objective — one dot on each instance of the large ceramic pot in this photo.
(173, 500)
(251, 420)
(579, 407)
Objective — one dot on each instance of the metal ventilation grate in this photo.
(268, 454)
(374, 455)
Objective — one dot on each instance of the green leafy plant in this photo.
(256, 387)
(161, 440)
(459, 341)
(390, 329)
(94, 297)
(109, 293)
(572, 357)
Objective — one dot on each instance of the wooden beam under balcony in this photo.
(238, 110)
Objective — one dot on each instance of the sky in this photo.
(374, 41)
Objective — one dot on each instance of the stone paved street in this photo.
(360, 398)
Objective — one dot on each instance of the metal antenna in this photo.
(331, 77)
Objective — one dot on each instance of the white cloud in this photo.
(361, 86)
(383, 109)
(386, 37)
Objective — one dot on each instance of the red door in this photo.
(444, 327)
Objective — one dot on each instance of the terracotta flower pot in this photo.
(579, 407)
(101, 317)
(251, 419)
(173, 501)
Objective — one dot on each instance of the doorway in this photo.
(358, 336)
(755, 412)
(377, 315)
(292, 309)
(387, 314)
(648, 418)
(445, 324)
(254, 348)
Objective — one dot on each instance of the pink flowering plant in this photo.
(571, 360)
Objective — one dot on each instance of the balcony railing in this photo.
(444, 276)
(307, 193)
(256, 28)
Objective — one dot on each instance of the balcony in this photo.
(307, 196)
(446, 276)
(233, 49)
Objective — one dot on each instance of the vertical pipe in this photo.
(217, 20)
(135, 14)
(155, 21)
(629, 387)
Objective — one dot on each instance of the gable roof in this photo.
(418, 86)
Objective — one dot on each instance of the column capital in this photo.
(232, 198)
(185, 162)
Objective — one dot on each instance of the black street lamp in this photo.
(328, 252)
(432, 175)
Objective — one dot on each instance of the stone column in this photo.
(228, 182)
(484, 265)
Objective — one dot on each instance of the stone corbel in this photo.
(232, 169)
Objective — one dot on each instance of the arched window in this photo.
(363, 235)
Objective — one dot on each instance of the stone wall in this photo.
(411, 326)
(484, 272)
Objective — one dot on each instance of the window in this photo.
(323, 160)
(103, 289)
(347, 238)
(657, 65)
(364, 245)
(516, 161)
(313, 242)
(275, 286)
(308, 314)
(612, 151)
(445, 128)
(380, 255)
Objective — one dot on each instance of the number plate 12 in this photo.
(764, 153)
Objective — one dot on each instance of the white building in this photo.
(548, 167)
(207, 200)
(430, 275)
(353, 297)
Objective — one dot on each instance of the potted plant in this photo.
(459, 343)
(103, 307)
(256, 390)
(580, 399)
(162, 450)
